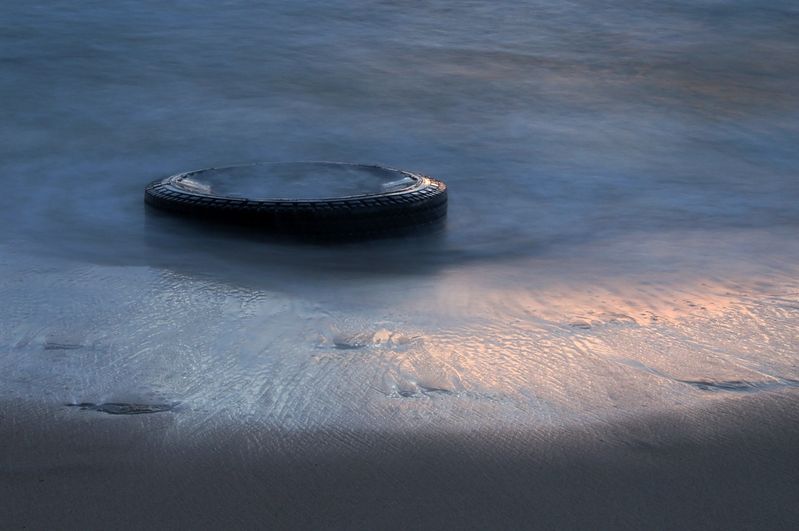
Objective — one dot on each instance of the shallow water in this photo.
(621, 235)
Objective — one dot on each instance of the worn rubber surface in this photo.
(423, 202)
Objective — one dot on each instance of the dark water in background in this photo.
(553, 122)
(562, 129)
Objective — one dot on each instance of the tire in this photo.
(421, 204)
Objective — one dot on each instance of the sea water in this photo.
(624, 202)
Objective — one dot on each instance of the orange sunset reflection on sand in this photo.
(585, 341)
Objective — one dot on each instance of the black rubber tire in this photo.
(424, 203)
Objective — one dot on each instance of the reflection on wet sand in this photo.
(540, 340)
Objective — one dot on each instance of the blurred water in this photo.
(607, 162)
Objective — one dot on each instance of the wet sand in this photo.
(731, 465)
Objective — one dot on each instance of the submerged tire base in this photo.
(420, 205)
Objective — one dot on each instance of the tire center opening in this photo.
(296, 180)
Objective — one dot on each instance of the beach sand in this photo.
(731, 465)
